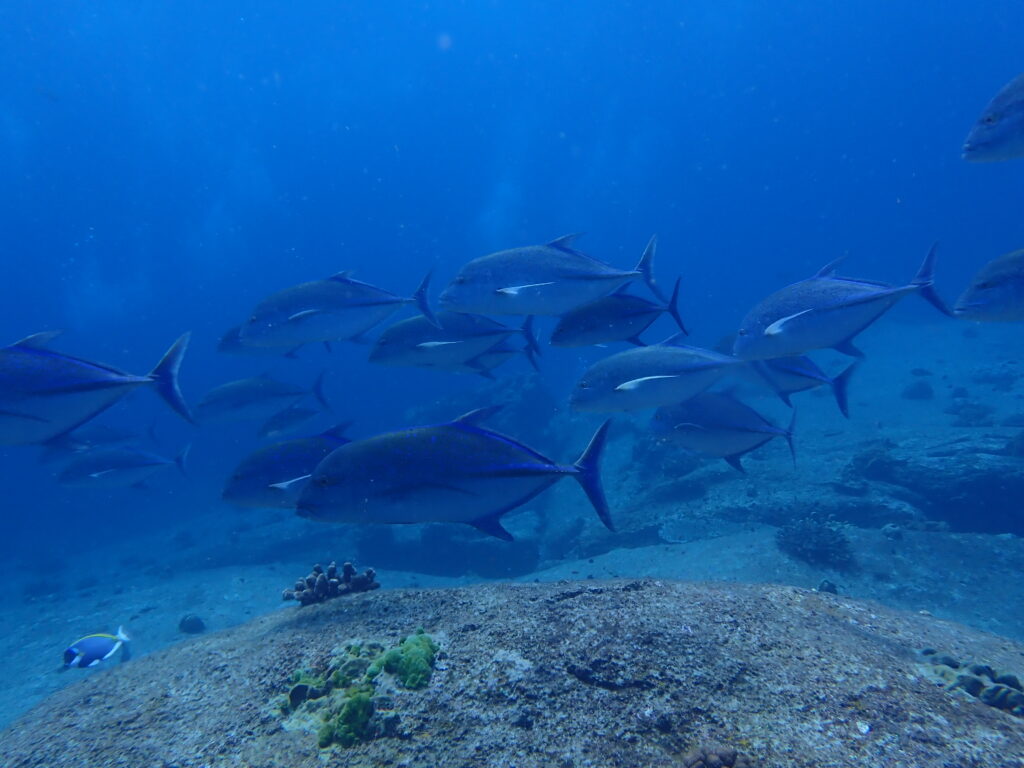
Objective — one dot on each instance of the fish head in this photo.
(465, 292)
(758, 342)
(994, 295)
(999, 132)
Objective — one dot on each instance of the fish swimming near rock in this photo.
(119, 467)
(825, 311)
(996, 294)
(999, 132)
(548, 279)
(336, 309)
(458, 472)
(274, 476)
(621, 316)
(90, 650)
(460, 338)
(719, 425)
(650, 377)
(257, 397)
(790, 375)
(45, 394)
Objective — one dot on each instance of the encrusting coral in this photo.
(322, 585)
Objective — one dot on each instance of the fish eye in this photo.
(990, 119)
(741, 332)
(584, 385)
(323, 481)
(460, 280)
(985, 285)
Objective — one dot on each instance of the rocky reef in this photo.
(609, 673)
(322, 584)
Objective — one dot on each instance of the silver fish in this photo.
(618, 317)
(458, 472)
(336, 309)
(287, 420)
(45, 394)
(253, 398)
(719, 425)
(548, 279)
(996, 294)
(999, 132)
(231, 344)
(116, 468)
(485, 363)
(789, 375)
(825, 311)
(649, 377)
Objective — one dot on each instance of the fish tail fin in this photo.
(588, 474)
(789, 435)
(924, 282)
(673, 307)
(840, 387)
(122, 635)
(531, 355)
(181, 458)
(423, 303)
(646, 267)
(530, 336)
(165, 377)
(318, 392)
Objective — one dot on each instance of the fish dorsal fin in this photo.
(343, 276)
(37, 340)
(829, 270)
(564, 243)
(337, 432)
(474, 418)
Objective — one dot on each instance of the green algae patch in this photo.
(344, 702)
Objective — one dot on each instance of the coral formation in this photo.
(322, 585)
(1002, 691)
(816, 542)
(716, 756)
(411, 662)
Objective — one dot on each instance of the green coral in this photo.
(412, 661)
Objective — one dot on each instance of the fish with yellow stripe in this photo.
(90, 650)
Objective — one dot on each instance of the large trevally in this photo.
(116, 468)
(458, 472)
(719, 425)
(231, 344)
(996, 294)
(999, 132)
(649, 377)
(46, 394)
(257, 397)
(545, 279)
(460, 337)
(789, 375)
(618, 317)
(485, 363)
(825, 311)
(275, 475)
(334, 309)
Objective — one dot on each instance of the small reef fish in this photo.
(460, 337)
(46, 394)
(999, 132)
(90, 650)
(825, 311)
(649, 377)
(618, 317)
(996, 294)
(548, 279)
(458, 472)
(336, 309)
(274, 476)
(253, 398)
(119, 467)
(789, 375)
(719, 425)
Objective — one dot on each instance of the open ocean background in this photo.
(167, 165)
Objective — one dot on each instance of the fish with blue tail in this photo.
(118, 467)
(339, 308)
(548, 279)
(998, 134)
(45, 394)
(650, 377)
(996, 293)
(826, 311)
(719, 425)
(459, 472)
(790, 375)
(89, 651)
(274, 476)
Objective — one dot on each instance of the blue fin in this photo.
(637, 341)
(531, 338)
(422, 303)
(337, 432)
(848, 348)
(673, 307)
(839, 388)
(318, 392)
(734, 461)
(179, 460)
(830, 269)
(675, 340)
(646, 267)
(473, 418)
(165, 377)
(563, 243)
(788, 434)
(588, 474)
(924, 281)
(491, 525)
(37, 340)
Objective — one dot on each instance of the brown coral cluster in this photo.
(321, 585)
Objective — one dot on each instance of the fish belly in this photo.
(37, 419)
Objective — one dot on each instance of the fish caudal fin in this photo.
(165, 377)
(318, 392)
(588, 474)
(840, 386)
(924, 282)
(530, 336)
(422, 302)
(122, 635)
(646, 267)
(789, 435)
(673, 307)
(179, 462)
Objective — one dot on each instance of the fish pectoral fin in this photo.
(515, 290)
(284, 485)
(24, 416)
(734, 461)
(632, 384)
(780, 325)
(101, 473)
(687, 426)
(491, 525)
(432, 344)
(304, 314)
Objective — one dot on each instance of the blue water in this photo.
(167, 165)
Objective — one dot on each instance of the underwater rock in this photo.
(716, 757)
(321, 585)
(919, 390)
(191, 624)
(970, 413)
(790, 677)
(816, 543)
